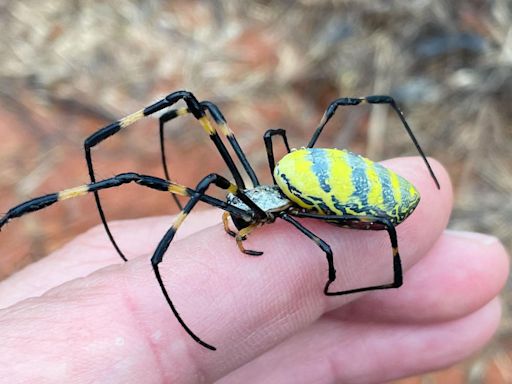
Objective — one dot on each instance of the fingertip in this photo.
(487, 258)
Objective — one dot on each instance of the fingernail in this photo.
(481, 238)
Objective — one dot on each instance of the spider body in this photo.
(268, 198)
(330, 185)
(339, 182)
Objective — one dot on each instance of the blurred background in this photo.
(71, 67)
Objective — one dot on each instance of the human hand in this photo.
(267, 315)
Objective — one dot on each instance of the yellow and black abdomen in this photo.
(339, 182)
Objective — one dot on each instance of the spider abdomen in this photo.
(339, 182)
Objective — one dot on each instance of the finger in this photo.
(244, 305)
(92, 251)
(461, 273)
(334, 351)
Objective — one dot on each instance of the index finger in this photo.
(116, 323)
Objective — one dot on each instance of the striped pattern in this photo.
(152, 182)
(179, 220)
(73, 192)
(130, 119)
(330, 181)
(207, 126)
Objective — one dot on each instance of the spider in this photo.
(331, 185)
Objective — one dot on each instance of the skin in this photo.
(81, 316)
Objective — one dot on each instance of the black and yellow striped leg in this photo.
(162, 247)
(152, 182)
(362, 222)
(220, 121)
(197, 111)
(267, 138)
(375, 99)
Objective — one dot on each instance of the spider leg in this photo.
(242, 235)
(151, 182)
(318, 241)
(225, 222)
(162, 247)
(168, 116)
(368, 222)
(221, 122)
(267, 138)
(193, 106)
(199, 194)
(376, 99)
(161, 123)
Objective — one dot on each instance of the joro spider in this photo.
(332, 185)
